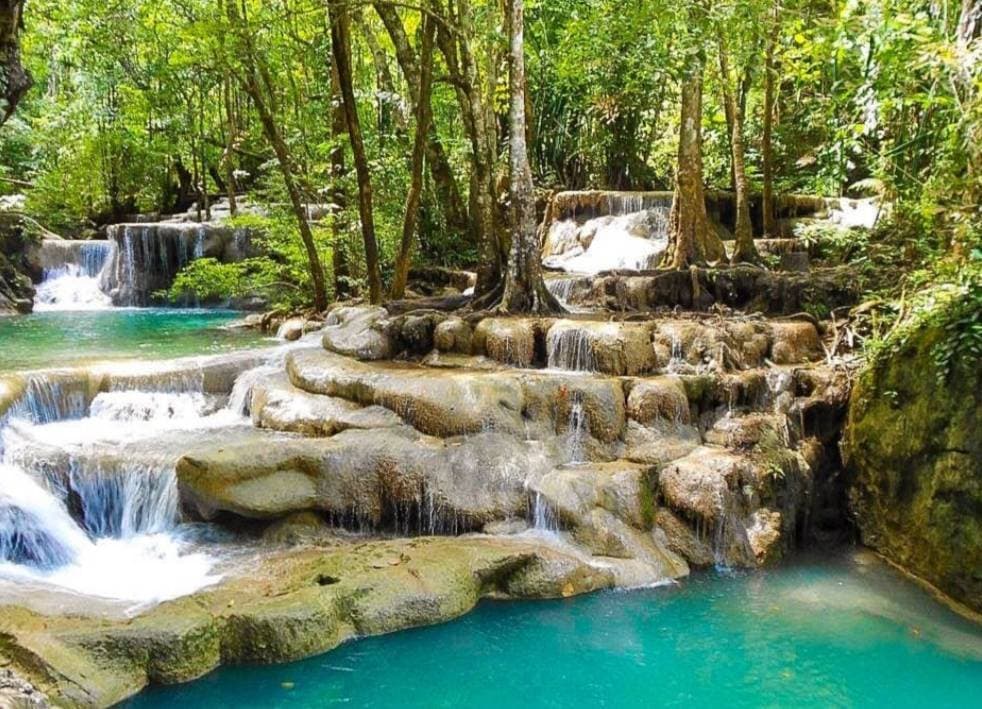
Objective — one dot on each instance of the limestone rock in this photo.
(659, 399)
(384, 479)
(658, 443)
(279, 406)
(291, 330)
(453, 335)
(617, 348)
(507, 340)
(359, 332)
(914, 450)
(435, 402)
(795, 342)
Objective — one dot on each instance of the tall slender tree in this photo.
(525, 290)
(423, 117)
(744, 250)
(255, 79)
(767, 123)
(338, 14)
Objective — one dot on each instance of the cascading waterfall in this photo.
(562, 288)
(75, 275)
(576, 431)
(89, 499)
(48, 398)
(620, 231)
(570, 349)
(151, 255)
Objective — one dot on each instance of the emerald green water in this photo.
(53, 339)
(841, 632)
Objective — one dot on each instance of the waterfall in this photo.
(576, 431)
(88, 495)
(151, 255)
(618, 231)
(570, 349)
(75, 275)
(544, 517)
(676, 363)
(35, 528)
(562, 288)
(48, 398)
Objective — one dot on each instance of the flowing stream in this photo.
(89, 488)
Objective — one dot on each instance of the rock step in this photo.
(584, 344)
(537, 404)
(700, 289)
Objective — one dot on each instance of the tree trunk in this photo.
(227, 157)
(389, 115)
(341, 47)
(691, 240)
(744, 250)
(969, 21)
(525, 291)
(447, 190)
(483, 137)
(767, 133)
(14, 79)
(339, 200)
(419, 151)
(251, 85)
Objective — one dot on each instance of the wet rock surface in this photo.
(405, 462)
(914, 454)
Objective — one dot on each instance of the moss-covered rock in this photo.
(913, 445)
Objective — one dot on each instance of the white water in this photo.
(570, 349)
(74, 276)
(631, 241)
(88, 503)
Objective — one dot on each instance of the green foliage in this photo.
(139, 107)
(952, 304)
(280, 275)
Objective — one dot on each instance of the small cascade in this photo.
(240, 400)
(88, 497)
(75, 275)
(606, 231)
(562, 288)
(570, 349)
(152, 254)
(50, 398)
(130, 405)
(35, 528)
(676, 363)
(576, 431)
(544, 517)
(123, 504)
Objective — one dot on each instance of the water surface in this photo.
(60, 338)
(822, 632)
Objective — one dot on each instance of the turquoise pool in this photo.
(821, 632)
(53, 339)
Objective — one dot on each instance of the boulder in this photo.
(914, 453)
(359, 332)
(453, 335)
(279, 406)
(507, 340)
(616, 348)
(795, 342)
(659, 399)
(387, 479)
(439, 403)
